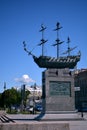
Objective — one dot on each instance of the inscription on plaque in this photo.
(60, 88)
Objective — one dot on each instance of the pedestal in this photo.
(58, 91)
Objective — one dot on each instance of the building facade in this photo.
(81, 89)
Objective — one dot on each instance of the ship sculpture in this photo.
(68, 61)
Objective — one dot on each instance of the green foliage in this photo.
(10, 97)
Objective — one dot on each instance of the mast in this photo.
(42, 40)
(58, 42)
(69, 49)
(68, 41)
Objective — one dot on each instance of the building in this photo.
(37, 90)
(33, 99)
(81, 89)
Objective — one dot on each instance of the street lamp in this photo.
(22, 96)
(34, 87)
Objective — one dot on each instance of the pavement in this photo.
(76, 122)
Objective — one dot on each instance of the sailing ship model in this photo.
(69, 61)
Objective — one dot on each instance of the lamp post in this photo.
(22, 96)
(34, 87)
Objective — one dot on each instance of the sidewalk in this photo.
(73, 124)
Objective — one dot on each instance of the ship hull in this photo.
(61, 62)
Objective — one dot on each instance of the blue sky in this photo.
(20, 21)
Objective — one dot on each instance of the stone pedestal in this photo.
(58, 91)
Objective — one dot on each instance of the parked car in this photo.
(31, 109)
(38, 108)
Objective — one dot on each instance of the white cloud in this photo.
(24, 79)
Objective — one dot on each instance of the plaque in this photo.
(60, 88)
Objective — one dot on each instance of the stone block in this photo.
(35, 126)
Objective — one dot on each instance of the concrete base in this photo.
(61, 112)
(35, 126)
(59, 117)
(66, 116)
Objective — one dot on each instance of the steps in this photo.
(5, 119)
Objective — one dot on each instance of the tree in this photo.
(0, 99)
(11, 97)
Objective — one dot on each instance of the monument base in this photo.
(58, 90)
(61, 112)
(61, 116)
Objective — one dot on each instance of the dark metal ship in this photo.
(69, 61)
